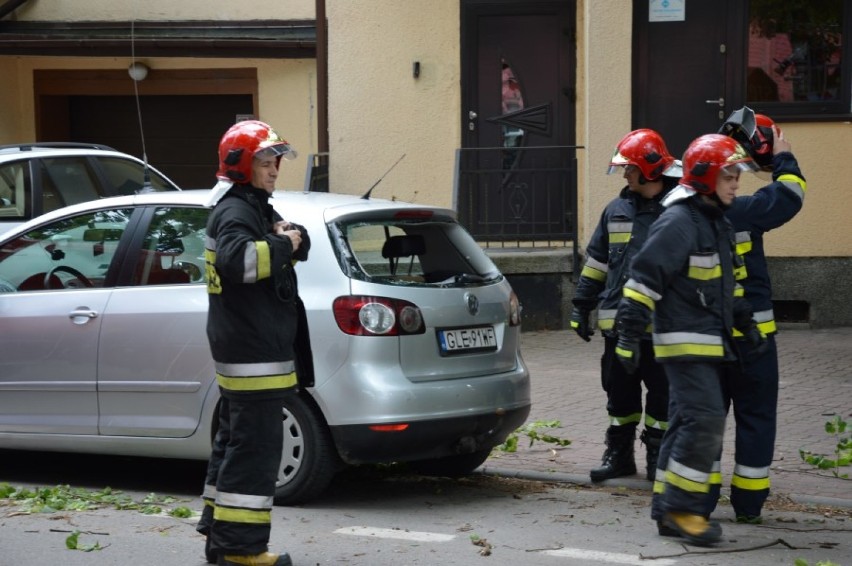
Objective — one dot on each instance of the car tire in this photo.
(450, 466)
(309, 460)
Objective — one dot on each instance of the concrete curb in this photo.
(583, 479)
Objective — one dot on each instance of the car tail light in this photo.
(377, 316)
(514, 310)
(414, 213)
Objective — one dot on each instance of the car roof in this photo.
(288, 203)
(42, 149)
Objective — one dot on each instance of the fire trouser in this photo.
(693, 440)
(624, 390)
(751, 389)
(241, 476)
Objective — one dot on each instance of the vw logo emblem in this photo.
(472, 303)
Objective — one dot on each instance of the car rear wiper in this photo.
(461, 279)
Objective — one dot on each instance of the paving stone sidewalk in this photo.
(815, 385)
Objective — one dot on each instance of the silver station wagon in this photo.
(414, 337)
(36, 178)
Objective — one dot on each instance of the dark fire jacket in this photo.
(253, 313)
(620, 233)
(752, 216)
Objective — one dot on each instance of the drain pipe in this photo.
(10, 6)
(322, 77)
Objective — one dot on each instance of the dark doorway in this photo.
(517, 160)
(687, 76)
(184, 113)
(181, 132)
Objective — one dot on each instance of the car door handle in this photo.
(82, 315)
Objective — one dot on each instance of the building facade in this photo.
(426, 92)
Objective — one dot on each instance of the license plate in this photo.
(459, 340)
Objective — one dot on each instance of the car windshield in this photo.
(127, 177)
(412, 251)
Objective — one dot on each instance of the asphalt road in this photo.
(382, 517)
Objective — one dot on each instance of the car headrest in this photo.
(404, 246)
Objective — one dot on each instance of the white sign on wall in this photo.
(666, 10)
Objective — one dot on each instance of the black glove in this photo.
(627, 352)
(757, 340)
(631, 322)
(580, 323)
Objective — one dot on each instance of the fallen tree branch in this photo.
(782, 542)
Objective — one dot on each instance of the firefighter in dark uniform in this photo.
(251, 326)
(683, 278)
(643, 159)
(753, 391)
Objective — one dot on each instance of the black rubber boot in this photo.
(618, 458)
(651, 438)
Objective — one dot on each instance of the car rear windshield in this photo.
(412, 251)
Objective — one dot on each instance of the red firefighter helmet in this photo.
(707, 156)
(762, 141)
(753, 132)
(645, 149)
(242, 143)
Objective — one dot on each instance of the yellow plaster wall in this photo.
(603, 107)
(378, 111)
(82, 10)
(824, 226)
(824, 149)
(286, 98)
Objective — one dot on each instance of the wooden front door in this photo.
(518, 68)
(686, 76)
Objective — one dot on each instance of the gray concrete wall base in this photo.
(816, 290)
(542, 279)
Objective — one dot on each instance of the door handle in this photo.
(471, 116)
(720, 101)
(82, 315)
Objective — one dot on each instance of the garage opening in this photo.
(184, 113)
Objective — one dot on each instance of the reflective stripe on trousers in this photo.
(693, 441)
(241, 475)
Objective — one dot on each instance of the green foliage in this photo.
(771, 17)
(66, 498)
(72, 542)
(803, 562)
(836, 427)
(532, 431)
(181, 512)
